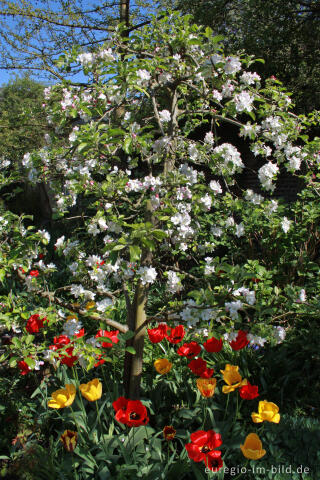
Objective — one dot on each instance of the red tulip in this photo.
(176, 334)
(199, 367)
(248, 392)
(213, 345)
(240, 342)
(202, 448)
(130, 412)
(34, 323)
(189, 350)
(156, 335)
(113, 336)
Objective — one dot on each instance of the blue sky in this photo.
(6, 75)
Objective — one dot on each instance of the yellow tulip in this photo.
(92, 390)
(232, 378)
(69, 440)
(266, 411)
(162, 365)
(206, 386)
(252, 447)
(63, 397)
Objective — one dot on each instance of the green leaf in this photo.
(83, 146)
(126, 336)
(135, 253)
(13, 362)
(30, 362)
(208, 32)
(159, 234)
(2, 275)
(118, 247)
(131, 350)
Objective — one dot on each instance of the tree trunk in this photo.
(124, 13)
(136, 317)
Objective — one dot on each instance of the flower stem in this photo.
(226, 409)
(204, 411)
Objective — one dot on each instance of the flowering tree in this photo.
(153, 201)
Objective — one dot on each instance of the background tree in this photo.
(22, 119)
(286, 34)
(23, 127)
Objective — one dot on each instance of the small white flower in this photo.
(144, 75)
(106, 55)
(60, 242)
(232, 65)
(45, 236)
(286, 224)
(279, 334)
(215, 186)
(103, 304)
(165, 116)
(209, 138)
(86, 59)
(302, 295)
(239, 230)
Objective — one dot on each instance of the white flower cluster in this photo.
(253, 197)
(249, 130)
(206, 201)
(243, 102)
(104, 304)
(189, 173)
(60, 242)
(302, 295)
(279, 333)
(249, 295)
(230, 156)
(143, 76)
(256, 340)
(193, 313)
(79, 291)
(45, 236)
(182, 221)
(227, 90)
(230, 336)
(97, 226)
(266, 174)
(174, 282)
(286, 224)
(232, 65)
(239, 230)
(272, 207)
(209, 138)
(134, 185)
(165, 116)
(4, 163)
(71, 327)
(161, 144)
(87, 59)
(233, 307)
(147, 274)
(249, 78)
(294, 156)
(209, 268)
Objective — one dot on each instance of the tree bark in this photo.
(136, 316)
